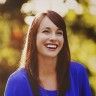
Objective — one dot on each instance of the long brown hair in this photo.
(31, 61)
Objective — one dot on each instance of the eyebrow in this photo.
(50, 28)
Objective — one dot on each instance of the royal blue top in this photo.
(18, 84)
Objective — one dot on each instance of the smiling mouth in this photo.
(51, 47)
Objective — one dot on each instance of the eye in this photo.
(46, 31)
(59, 32)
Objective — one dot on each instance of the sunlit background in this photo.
(17, 15)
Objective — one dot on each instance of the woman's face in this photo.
(50, 39)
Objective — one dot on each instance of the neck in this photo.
(47, 65)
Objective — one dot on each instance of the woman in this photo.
(48, 70)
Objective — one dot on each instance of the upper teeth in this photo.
(52, 46)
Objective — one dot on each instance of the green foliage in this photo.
(89, 20)
(4, 32)
(9, 56)
(82, 40)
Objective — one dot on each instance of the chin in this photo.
(51, 55)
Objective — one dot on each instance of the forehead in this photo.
(46, 22)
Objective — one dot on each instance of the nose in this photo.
(53, 37)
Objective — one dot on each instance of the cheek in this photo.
(61, 41)
(41, 37)
(40, 40)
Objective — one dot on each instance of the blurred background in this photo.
(17, 15)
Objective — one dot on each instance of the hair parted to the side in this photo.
(30, 60)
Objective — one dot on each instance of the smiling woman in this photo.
(49, 39)
(48, 70)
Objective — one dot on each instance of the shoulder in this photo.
(19, 76)
(80, 77)
(18, 84)
(78, 72)
(77, 66)
(78, 69)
